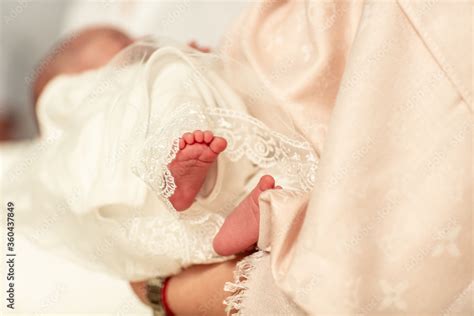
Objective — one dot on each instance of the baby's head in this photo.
(89, 49)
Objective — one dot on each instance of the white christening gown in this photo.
(95, 185)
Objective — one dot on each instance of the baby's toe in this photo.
(218, 144)
(182, 143)
(188, 138)
(198, 136)
(266, 182)
(208, 137)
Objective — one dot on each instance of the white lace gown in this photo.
(96, 183)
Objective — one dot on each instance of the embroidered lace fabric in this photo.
(291, 161)
(117, 139)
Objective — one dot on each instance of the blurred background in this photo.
(45, 283)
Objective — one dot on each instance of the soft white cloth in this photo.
(99, 181)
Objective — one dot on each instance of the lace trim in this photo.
(152, 167)
(239, 287)
(187, 242)
(293, 163)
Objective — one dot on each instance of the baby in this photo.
(195, 178)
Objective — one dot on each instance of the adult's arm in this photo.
(198, 290)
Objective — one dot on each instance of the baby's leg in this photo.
(240, 229)
(197, 152)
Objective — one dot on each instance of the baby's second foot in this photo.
(197, 152)
(240, 228)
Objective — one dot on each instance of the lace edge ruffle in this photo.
(152, 168)
(292, 160)
(238, 286)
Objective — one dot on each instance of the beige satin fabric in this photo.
(382, 89)
(298, 49)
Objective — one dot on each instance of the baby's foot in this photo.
(197, 152)
(240, 228)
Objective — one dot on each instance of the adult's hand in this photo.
(198, 290)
